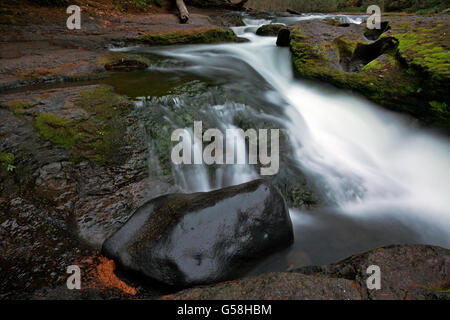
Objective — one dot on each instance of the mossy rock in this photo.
(100, 136)
(269, 30)
(397, 71)
(56, 129)
(18, 106)
(211, 35)
(419, 51)
(120, 61)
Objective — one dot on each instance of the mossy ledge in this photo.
(97, 136)
(18, 106)
(197, 36)
(122, 61)
(410, 73)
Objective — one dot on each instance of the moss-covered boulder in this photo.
(269, 30)
(407, 69)
(196, 36)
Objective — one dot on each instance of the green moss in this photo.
(422, 51)
(212, 35)
(385, 62)
(55, 129)
(440, 111)
(7, 161)
(100, 136)
(373, 65)
(344, 46)
(18, 106)
(103, 103)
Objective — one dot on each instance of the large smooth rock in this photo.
(203, 238)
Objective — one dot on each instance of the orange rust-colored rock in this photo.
(106, 276)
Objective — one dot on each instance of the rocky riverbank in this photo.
(407, 273)
(45, 51)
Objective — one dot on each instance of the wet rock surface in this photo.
(410, 272)
(201, 238)
(55, 210)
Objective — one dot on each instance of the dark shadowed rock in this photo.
(201, 238)
(283, 39)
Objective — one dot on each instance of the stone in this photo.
(202, 238)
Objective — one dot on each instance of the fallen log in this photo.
(294, 11)
(184, 13)
(221, 4)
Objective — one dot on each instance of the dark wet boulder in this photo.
(283, 39)
(269, 30)
(202, 238)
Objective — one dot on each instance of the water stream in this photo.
(382, 179)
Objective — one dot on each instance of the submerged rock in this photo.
(203, 238)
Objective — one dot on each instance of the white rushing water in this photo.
(368, 161)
